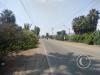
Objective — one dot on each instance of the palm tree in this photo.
(7, 16)
(85, 24)
(92, 19)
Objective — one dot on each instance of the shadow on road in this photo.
(69, 61)
(60, 64)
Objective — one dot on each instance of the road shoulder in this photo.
(29, 62)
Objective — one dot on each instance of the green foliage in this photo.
(27, 26)
(96, 39)
(85, 38)
(67, 37)
(30, 38)
(76, 38)
(85, 24)
(36, 30)
(88, 38)
(8, 34)
(13, 38)
(7, 16)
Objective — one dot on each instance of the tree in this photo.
(79, 24)
(92, 19)
(27, 26)
(85, 24)
(7, 16)
(8, 34)
(12, 37)
(36, 30)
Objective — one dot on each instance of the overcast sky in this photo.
(48, 14)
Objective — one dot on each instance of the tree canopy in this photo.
(37, 30)
(7, 16)
(84, 24)
(27, 26)
(14, 38)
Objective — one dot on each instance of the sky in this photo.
(50, 15)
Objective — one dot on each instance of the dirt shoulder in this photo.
(29, 62)
(93, 50)
(80, 45)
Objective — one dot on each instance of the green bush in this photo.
(15, 39)
(85, 38)
(96, 39)
(27, 40)
(76, 38)
(88, 38)
(67, 37)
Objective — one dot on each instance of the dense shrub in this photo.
(96, 39)
(88, 38)
(67, 37)
(14, 39)
(76, 38)
(7, 36)
(30, 39)
(85, 38)
(27, 40)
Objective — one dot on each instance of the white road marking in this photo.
(51, 70)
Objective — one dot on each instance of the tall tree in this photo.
(37, 30)
(79, 24)
(84, 24)
(92, 19)
(7, 16)
(27, 26)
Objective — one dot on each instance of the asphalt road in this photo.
(63, 58)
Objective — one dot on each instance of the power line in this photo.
(4, 5)
(82, 9)
(25, 9)
(88, 5)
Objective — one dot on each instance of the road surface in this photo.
(54, 57)
(62, 56)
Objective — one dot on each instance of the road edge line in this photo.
(51, 71)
